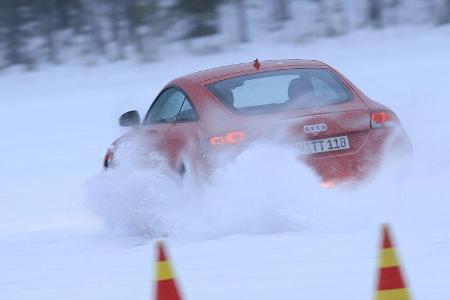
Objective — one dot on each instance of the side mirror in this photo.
(130, 119)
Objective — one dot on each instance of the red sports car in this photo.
(336, 129)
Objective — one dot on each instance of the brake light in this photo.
(379, 119)
(217, 140)
(230, 138)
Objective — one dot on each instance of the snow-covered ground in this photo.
(277, 235)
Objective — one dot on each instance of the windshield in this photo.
(281, 90)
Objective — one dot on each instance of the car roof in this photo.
(249, 67)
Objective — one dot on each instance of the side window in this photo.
(187, 112)
(166, 107)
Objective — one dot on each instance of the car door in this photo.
(181, 140)
(161, 116)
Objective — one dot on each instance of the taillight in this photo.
(234, 137)
(379, 119)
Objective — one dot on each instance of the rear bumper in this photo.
(380, 144)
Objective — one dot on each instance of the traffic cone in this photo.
(166, 287)
(391, 285)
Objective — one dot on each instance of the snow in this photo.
(260, 230)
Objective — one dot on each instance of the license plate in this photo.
(325, 145)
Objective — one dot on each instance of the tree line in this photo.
(37, 31)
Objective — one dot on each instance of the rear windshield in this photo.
(281, 90)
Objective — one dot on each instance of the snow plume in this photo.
(263, 190)
(256, 193)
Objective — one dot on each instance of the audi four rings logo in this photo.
(315, 128)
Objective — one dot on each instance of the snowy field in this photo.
(279, 235)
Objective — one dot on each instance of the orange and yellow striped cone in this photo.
(391, 285)
(166, 287)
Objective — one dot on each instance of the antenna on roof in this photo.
(256, 64)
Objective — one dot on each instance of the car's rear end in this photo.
(335, 129)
